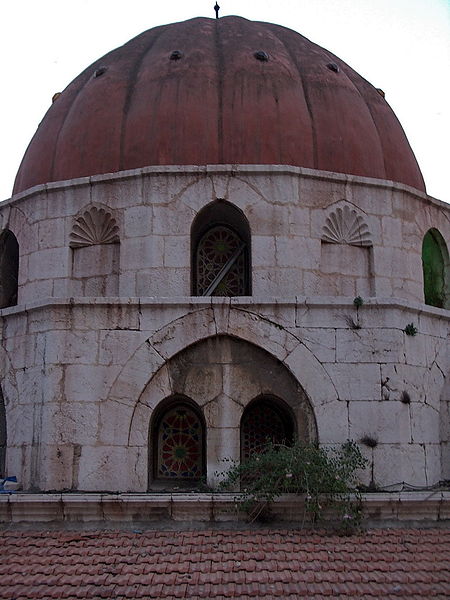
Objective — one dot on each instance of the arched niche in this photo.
(346, 260)
(220, 251)
(177, 443)
(266, 419)
(95, 244)
(435, 264)
(9, 268)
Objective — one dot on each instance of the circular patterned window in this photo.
(221, 263)
(179, 454)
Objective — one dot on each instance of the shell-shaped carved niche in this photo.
(345, 226)
(94, 226)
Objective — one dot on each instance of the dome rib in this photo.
(217, 103)
(130, 91)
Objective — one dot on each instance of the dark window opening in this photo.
(9, 268)
(220, 241)
(265, 420)
(435, 262)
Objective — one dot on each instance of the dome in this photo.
(226, 91)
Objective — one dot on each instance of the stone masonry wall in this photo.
(81, 382)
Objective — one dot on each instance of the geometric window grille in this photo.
(179, 453)
(263, 421)
(221, 263)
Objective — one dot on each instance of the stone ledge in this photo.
(234, 302)
(394, 509)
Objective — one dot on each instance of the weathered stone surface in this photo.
(83, 376)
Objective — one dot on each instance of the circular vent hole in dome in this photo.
(333, 67)
(176, 55)
(261, 55)
(98, 72)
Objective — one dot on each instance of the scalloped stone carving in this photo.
(94, 226)
(345, 226)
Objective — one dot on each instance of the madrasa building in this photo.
(218, 234)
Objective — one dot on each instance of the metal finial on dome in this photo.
(217, 8)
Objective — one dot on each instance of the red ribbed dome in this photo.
(216, 102)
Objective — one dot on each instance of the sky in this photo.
(400, 46)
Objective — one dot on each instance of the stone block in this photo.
(425, 422)
(263, 251)
(222, 446)
(115, 423)
(332, 422)
(139, 424)
(271, 281)
(22, 351)
(34, 290)
(223, 412)
(117, 346)
(70, 422)
(159, 387)
(404, 378)
(141, 253)
(50, 263)
(163, 282)
(314, 379)
(392, 234)
(253, 328)
(71, 347)
(320, 341)
(370, 345)
(183, 332)
(138, 221)
(175, 218)
(386, 422)
(110, 468)
(88, 383)
(51, 233)
(177, 251)
(433, 457)
(270, 220)
(91, 261)
(355, 381)
(89, 315)
(55, 469)
(203, 383)
(409, 461)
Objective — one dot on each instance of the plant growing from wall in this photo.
(326, 477)
(410, 329)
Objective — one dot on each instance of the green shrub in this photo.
(326, 477)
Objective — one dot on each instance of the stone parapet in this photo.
(394, 509)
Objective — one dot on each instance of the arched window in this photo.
(266, 419)
(9, 268)
(220, 241)
(179, 442)
(2, 435)
(435, 262)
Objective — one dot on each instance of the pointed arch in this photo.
(220, 246)
(436, 268)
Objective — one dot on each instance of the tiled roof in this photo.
(262, 564)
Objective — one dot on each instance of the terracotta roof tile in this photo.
(268, 564)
